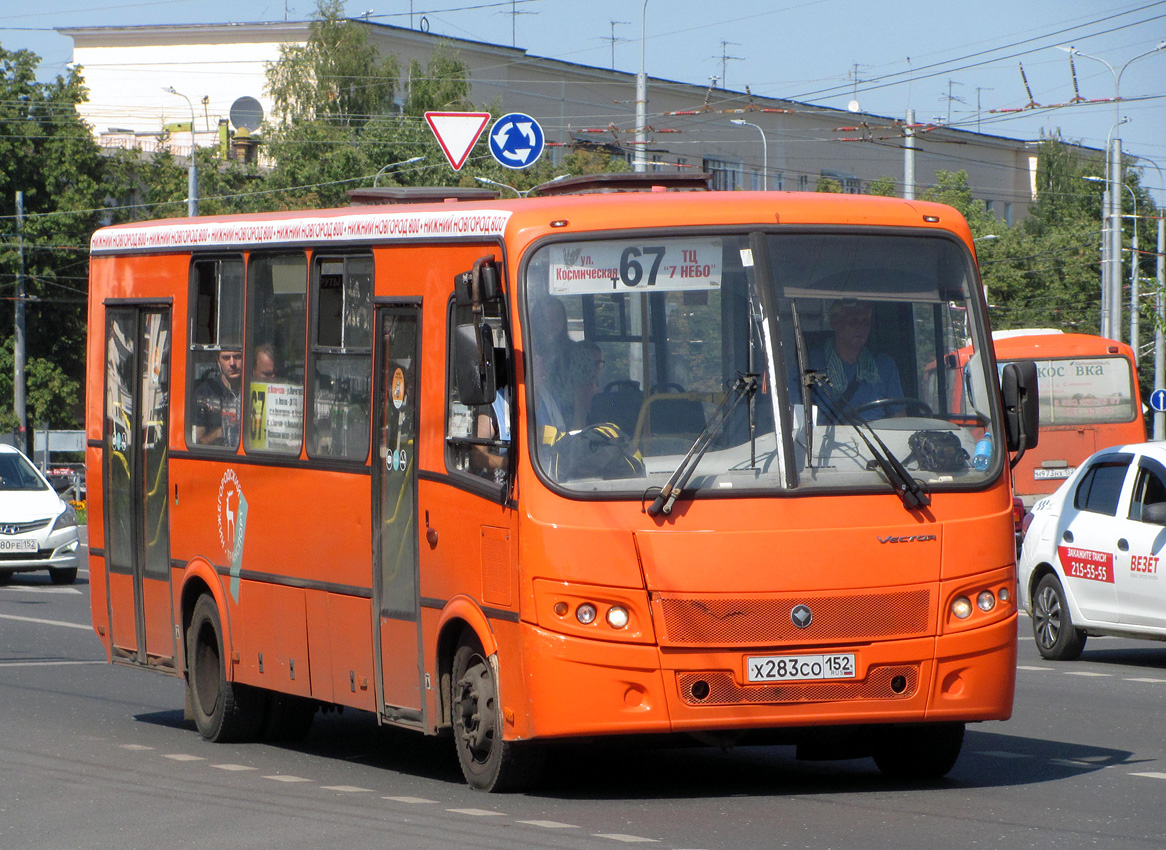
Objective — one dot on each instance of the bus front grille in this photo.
(745, 621)
(892, 682)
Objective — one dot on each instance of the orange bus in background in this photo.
(533, 470)
(1089, 400)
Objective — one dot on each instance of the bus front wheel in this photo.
(919, 752)
(488, 762)
(223, 711)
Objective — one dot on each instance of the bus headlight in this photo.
(962, 607)
(585, 613)
(617, 616)
(986, 600)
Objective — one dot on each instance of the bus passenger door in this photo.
(137, 527)
(395, 537)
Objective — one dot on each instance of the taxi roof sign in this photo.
(457, 133)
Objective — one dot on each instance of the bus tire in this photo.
(1057, 639)
(289, 717)
(919, 752)
(488, 762)
(223, 711)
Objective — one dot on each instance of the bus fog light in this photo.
(585, 613)
(1004, 594)
(617, 616)
(986, 600)
(561, 608)
(962, 607)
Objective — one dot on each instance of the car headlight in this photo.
(66, 519)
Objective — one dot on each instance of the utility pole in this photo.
(639, 160)
(18, 400)
(909, 157)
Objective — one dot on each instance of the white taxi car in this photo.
(38, 530)
(1094, 556)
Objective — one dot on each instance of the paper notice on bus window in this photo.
(643, 265)
(277, 416)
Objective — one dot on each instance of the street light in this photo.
(409, 161)
(490, 182)
(1160, 308)
(1134, 317)
(1113, 174)
(192, 171)
(741, 122)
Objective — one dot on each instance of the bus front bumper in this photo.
(581, 687)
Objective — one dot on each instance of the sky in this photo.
(960, 63)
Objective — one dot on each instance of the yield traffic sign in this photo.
(516, 140)
(457, 133)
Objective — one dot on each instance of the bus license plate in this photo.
(787, 668)
(18, 546)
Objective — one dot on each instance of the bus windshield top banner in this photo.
(359, 227)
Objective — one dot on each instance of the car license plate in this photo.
(788, 668)
(18, 545)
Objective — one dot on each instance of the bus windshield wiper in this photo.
(906, 487)
(742, 388)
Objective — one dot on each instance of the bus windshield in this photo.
(652, 352)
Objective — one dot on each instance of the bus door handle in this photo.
(1123, 544)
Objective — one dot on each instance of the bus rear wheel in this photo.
(488, 762)
(223, 711)
(919, 752)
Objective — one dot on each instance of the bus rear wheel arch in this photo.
(488, 761)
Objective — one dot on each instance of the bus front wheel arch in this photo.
(488, 761)
(921, 752)
(223, 711)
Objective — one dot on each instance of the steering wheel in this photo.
(915, 404)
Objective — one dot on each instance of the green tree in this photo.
(883, 186)
(48, 155)
(442, 84)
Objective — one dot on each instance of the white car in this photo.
(38, 530)
(1094, 555)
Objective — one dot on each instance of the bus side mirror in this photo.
(480, 284)
(474, 364)
(1018, 385)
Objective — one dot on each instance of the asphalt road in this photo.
(98, 756)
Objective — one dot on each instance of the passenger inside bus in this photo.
(216, 401)
(551, 345)
(264, 367)
(856, 376)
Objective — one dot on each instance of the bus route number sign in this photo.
(592, 268)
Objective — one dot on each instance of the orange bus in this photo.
(528, 471)
(1089, 400)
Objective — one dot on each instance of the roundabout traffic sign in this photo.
(516, 140)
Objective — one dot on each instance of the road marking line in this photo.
(37, 589)
(627, 839)
(183, 757)
(45, 622)
(477, 813)
(1088, 674)
(1034, 669)
(1149, 681)
(346, 789)
(1151, 775)
(46, 663)
(135, 747)
(1003, 754)
(233, 767)
(549, 824)
(409, 799)
(285, 777)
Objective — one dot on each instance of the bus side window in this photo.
(478, 438)
(277, 286)
(340, 380)
(215, 365)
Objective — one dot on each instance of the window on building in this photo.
(215, 362)
(726, 175)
